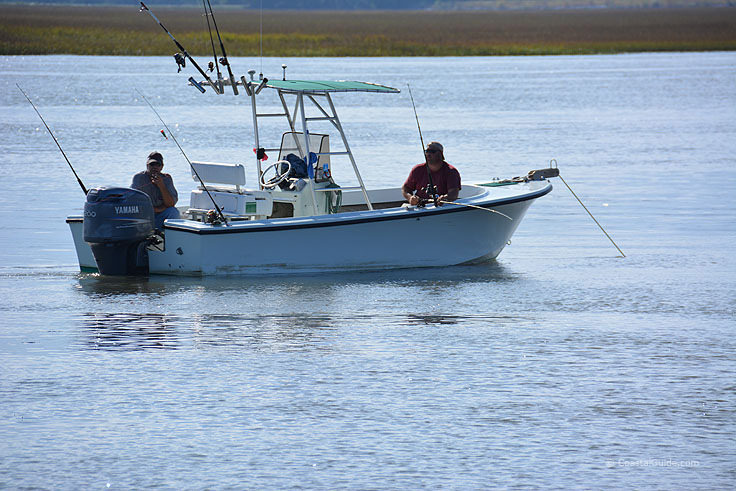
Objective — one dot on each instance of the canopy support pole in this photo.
(252, 93)
(305, 132)
(338, 125)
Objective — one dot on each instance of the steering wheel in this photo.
(279, 176)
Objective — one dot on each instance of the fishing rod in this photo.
(214, 53)
(431, 190)
(204, 186)
(84, 189)
(183, 51)
(224, 59)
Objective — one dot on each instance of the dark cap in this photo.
(155, 158)
(435, 146)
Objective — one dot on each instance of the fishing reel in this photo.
(213, 218)
(223, 61)
(181, 61)
(430, 191)
(210, 67)
(423, 202)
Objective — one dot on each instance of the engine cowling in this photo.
(118, 223)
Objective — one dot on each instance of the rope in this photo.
(591, 216)
(478, 207)
(337, 194)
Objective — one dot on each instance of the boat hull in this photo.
(368, 240)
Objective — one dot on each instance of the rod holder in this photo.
(196, 84)
(246, 86)
(261, 85)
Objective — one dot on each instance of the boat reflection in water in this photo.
(283, 327)
(130, 332)
(139, 332)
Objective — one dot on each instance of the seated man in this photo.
(159, 187)
(445, 178)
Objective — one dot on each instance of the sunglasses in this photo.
(431, 150)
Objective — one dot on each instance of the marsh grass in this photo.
(122, 31)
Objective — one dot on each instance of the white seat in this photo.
(232, 200)
(213, 173)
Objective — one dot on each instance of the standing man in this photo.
(445, 178)
(159, 187)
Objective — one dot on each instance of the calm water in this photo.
(560, 365)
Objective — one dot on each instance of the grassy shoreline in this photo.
(28, 30)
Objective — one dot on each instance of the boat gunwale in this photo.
(353, 218)
(349, 218)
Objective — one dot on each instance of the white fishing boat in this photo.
(300, 223)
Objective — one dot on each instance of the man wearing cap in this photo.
(445, 178)
(159, 187)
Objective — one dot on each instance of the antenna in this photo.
(261, 40)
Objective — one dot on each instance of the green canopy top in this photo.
(321, 86)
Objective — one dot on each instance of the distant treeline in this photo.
(122, 30)
(407, 4)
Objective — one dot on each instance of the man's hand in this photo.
(158, 179)
(414, 200)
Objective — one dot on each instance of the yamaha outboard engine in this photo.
(117, 225)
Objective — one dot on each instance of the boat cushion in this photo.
(214, 173)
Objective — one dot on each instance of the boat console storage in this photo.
(289, 193)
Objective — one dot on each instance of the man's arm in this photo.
(453, 186)
(451, 195)
(160, 182)
(409, 187)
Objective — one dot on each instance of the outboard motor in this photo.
(117, 225)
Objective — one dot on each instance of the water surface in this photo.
(559, 365)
